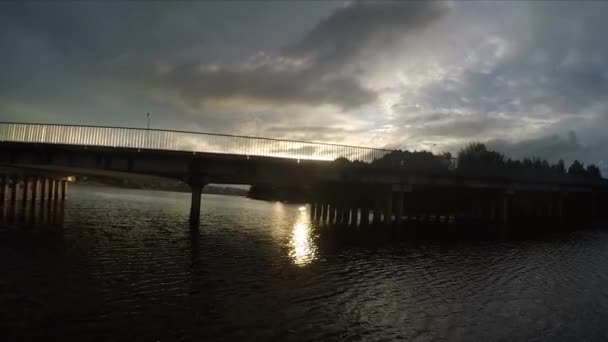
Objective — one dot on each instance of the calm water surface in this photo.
(123, 265)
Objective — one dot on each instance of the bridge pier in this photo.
(399, 204)
(338, 214)
(560, 205)
(195, 205)
(4, 190)
(14, 190)
(27, 187)
(44, 190)
(365, 216)
(388, 208)
(343, 214)
(504, 208)
(36, 189)
(58, 191)
(53, 190)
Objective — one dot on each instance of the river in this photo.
(122, 265)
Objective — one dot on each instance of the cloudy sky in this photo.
(530, 79)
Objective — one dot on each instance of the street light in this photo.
(148, 115)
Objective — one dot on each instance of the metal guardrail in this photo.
(159, 139)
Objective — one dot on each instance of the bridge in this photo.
(38, 160)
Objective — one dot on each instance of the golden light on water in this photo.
(303, 249)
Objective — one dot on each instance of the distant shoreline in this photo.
(209, 189)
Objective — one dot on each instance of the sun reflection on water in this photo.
(303, 249)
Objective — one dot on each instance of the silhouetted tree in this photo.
(476, 154)
(577, 169)
(593, 171)
(342, 161)
(559, 167)
(476, 159)
(417, 160)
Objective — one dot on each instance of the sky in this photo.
(526, 78)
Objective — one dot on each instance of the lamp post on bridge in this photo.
(148, 115)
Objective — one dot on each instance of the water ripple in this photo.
(123, 265)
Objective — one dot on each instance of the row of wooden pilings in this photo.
(20, 190)
(374, 204)
(358, 205)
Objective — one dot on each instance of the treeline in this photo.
(417, 160)
(476, 156)
(476, 159)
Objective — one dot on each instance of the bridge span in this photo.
(44, 157)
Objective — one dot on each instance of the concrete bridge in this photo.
(40, 159)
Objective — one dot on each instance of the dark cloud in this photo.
(364, 24)
(79, 61)
(126, 42)
(466, 127)
(319, 70)
(263, 83)
(552, 147)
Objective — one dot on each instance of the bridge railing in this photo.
(159, 139)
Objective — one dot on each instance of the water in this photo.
(123, 265)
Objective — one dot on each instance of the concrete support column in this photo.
(320, 211)
(378, 205)
(338, 213)
(347, 211)
(44, 190)
(4, 189)
(388, 208)
(559, 210)
(60, 194)
(595, 205)
(64, 190)
(53, 190)
(36, 189)
(550, 209)
(364, 216)
(195, 205)
(58, 191)
(493, 210)
(505, 209)
(399, 204)
(27, 189)
(14, 190)
(324, 212)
